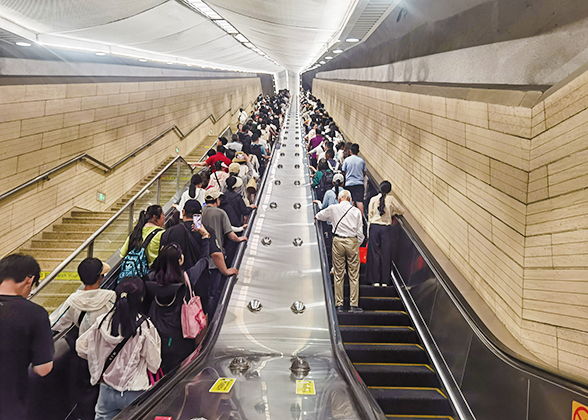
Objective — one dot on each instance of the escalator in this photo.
(387, 354)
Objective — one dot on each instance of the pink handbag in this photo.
(193, 317)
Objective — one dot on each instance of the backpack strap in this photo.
(145, 243)
(118, 348)
(343, 217)
(191, 238)
(81, 318)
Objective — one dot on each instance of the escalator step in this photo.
(407, 417)
(394, 374)
(371, 291)
(380, 303)
(385, 353)
(412, 401)
(377, 334)
(398, 318)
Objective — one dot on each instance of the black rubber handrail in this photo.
(45, 176)
(146, 401)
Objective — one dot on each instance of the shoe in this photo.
(339, 309)
(376, 284)
(355, 309)
(384, 285)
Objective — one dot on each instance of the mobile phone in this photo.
(197, 221)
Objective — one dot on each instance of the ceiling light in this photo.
(226, 26)
(328, 58)
(204, 9)
(337, 51)
(241, 38)
(248, 44)
(143, 60)
(100, 53)
(323, 62)
(352, 40)
(23, 44)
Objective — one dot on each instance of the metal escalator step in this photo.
(372, 291)
(385, 352)
(411, 401)
(378, 334)
(372, 303)
(408, 417)
(397, 374)
(398, 318)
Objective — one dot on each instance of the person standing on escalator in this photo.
(381, 232)
(347, 223)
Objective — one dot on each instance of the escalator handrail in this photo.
(495, 345)
(138, 408)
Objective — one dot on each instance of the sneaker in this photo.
(355, 309)
(339, 309)
(376, 284)
(384, 285)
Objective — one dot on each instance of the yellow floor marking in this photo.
(383, 344)
(409, 388)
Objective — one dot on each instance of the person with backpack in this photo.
(168, 288)
(121, 348)
(322, 179)
(142, 246)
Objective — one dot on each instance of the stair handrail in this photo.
(89, 242)
(45, 176)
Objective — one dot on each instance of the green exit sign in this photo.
(211, 131)
(177, 150)
(100, 197)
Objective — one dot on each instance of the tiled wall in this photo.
(501, 187)
(42, 126)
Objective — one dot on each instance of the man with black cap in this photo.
(188, 235)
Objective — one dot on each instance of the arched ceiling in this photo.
(289, 34)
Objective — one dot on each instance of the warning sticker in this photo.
(579, 411)
(222, 386)
(306, 388)
(64, 275)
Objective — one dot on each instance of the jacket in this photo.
(93, 302)
(128, 371)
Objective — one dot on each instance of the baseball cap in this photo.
(234, 182)
(192, 207)
(90, 269)
(234, 168)
(239, 157)
(212, 193)
(338, 178)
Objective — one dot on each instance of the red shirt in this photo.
(219, 156)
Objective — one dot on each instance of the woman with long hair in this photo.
(382, 227)
(123, 377)
(194, 192)
(166, 291)
(150, 220)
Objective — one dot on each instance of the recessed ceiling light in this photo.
(23, 44)
(100, 53)
(328, 58)
(143, 60)
(323, 62)
(241, 38)
(352, 40)
(337, 51)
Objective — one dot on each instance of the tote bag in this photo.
(193, 317)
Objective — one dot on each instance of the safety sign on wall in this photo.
(222, 386)
(579, 411)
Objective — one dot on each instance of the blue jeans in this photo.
(111, 402)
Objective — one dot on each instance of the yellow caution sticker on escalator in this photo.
(579, 411)
(222, 386)
(305, 387)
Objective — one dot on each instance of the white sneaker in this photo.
(376, 284)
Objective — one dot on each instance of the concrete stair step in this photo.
(50, 264)
(48, 253)
(91, 214)
(80, 227)
(59, 287)
(56, 243)
(66, 235)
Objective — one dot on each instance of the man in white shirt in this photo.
(242, 116)
(347, 224)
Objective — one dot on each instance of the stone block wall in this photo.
(499, 181)
(42, 126)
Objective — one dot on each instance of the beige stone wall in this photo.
(42, 126)
(501, 188)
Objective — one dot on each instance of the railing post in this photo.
(158, 190)
(131, 213)
(178, 178)
(91, 250)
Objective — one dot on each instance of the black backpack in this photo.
(325, 184)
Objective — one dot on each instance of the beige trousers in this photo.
(346, 249)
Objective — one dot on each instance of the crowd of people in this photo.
(339, 179)
(126, 339)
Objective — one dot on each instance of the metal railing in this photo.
(45, 176)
